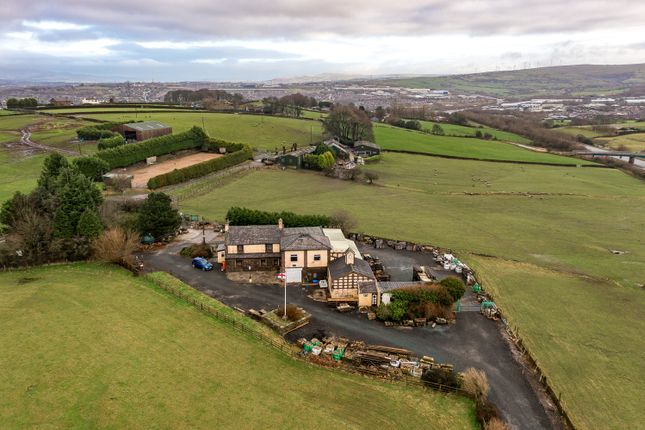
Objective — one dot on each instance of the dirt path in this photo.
(141, 175)
(25, 139)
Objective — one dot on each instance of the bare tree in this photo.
(370, 176)
(345, 220)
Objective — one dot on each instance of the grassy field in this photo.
(83, 109)
(460, 130)
(123, 354)
(400, 139)
(561, 221)
(632, 142)
(261, 132)
(18, 173)
(4, 112)
(584, 130)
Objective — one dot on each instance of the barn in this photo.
(143, 130)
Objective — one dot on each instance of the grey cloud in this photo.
(292, 19)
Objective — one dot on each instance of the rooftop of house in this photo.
(340, 268)
(303, 238)
(367, 287)
(367, 143)
(386, 287)
(339, 243)
(252, 234)
(146, 125)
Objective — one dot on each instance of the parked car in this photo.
(202, 263)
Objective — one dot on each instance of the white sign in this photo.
(294, 275)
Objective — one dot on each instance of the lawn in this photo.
(460, 130)
(84, 109)
(18, 173)
(401, 139)
(122, 353)
(4, 112)
(261, 132)
(561, 221)
(631, 142)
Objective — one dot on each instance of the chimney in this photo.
(280, 224)
(226, 226)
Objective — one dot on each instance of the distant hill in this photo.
(580, 80)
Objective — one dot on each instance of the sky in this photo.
(252, 40)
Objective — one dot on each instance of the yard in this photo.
(561, 221)
(142, 173)
(121, 353)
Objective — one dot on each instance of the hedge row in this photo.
(197, 170)
(111, 142)
(90, 132)
(215, 144)
(245, 216)
(127, 155)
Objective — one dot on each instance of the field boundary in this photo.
(457, 157)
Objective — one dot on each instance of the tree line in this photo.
(26, 103)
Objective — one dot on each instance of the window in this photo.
(263, 262)
(240, 249)
(276, 262)
(268, 247)
(294, 257)
(238, 263)
(316, 257)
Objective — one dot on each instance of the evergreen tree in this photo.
(76, 193)
(157, 216)
(52, 167)
(89, 225)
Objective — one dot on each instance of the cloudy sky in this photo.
(235, 40)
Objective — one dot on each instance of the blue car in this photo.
(202, 263)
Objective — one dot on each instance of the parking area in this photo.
(473, 342)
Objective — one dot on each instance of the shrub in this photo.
(92, 132)
(245, 216)
(115, 245)
(201, 169)
(127, 155)
(293, 313)
(496, 424)
(214, 145)
(92, 167)
(475, 383)
(197, 250)
(398, 310)
(383, 312)
(441, 376)
(454, 286)
(89, 224)
(485, 412)
(111, 142)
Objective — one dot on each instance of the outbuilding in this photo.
(143, 130)
(366, 149)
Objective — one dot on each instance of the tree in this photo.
(76, 193)
(348, 124)
(115, 245)
(475, 383)
(454, 286)
(92, 167)
(15, 208)
(52, 166)
(89, 224)
(157, 216)
(370, 176)
(344, 220)
(438, 130)
(379, 112)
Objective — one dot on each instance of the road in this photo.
(637, 162)
(25, 139)
(473, 342)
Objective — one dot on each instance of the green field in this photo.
(401, 139)
(632, 142)
(259, 131)
(4, 112)
(122, 353)
(84, 109)
(584, 130)
(460, 130)
(18, 173)
(561, 221)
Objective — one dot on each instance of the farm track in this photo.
(25, 139)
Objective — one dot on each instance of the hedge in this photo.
(216, 144)
(90, 132)
(92, 167)
(245, 216)
(127, 155)
(197, 170)
(111, 142)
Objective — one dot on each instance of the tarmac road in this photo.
(473, 342)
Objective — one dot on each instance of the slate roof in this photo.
(146, 125)
(367, 287)
(252, 234)
(388, 286)
(339, 268)
(303, 238)
(367, 143)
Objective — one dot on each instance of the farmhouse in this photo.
(304, 250)
(143, 130)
